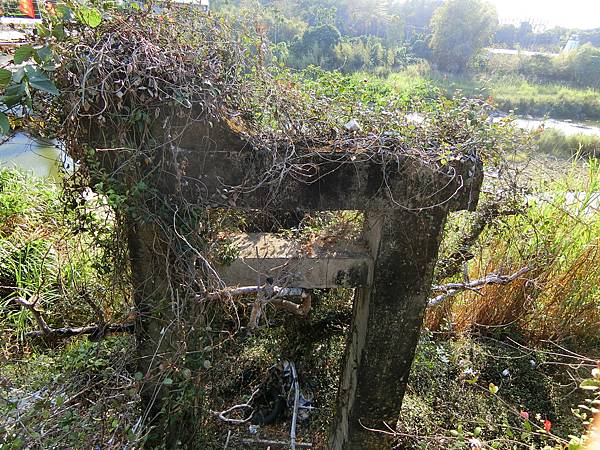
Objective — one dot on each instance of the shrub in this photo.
(581, 67)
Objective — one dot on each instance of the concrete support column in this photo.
(386, 323)
(167, 326)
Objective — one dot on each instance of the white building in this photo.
(572, 44)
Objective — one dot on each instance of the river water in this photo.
(568, 128)
(43, 158)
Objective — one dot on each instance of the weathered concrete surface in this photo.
(387, 319)
(222, 170)
(335, 264)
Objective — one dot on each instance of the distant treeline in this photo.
(377, 35)
(524, 36)
(348, 35)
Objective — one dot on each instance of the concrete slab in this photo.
(325, 263)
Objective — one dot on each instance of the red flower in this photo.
(524, 415)
(547, 425)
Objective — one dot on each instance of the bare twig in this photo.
(452, 289)
(37, 315)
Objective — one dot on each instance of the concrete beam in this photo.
(221, 169)
(317, 265)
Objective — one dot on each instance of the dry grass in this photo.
(560, 299)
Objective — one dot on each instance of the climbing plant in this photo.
(121, 87)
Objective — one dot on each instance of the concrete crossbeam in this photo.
(321, 264)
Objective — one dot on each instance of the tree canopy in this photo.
(460, 29)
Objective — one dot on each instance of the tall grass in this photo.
(49, 257)
(559, 238)
(556, 143)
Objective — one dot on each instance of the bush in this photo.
(581, 67)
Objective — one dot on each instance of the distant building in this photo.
(572, 44)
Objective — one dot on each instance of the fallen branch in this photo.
(485, 216)
(275, 443)
(222, 415)
(269, 295)
(255, 290)
(452, 289)
(96, 332)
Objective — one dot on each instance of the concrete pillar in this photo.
(168, 338)
(387, 319)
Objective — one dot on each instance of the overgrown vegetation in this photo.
(558, 234)
(67, 253)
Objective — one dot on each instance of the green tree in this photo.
(316, 47)
(460, 29)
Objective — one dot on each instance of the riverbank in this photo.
(507, 93)
(564, 120)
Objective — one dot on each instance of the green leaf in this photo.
(59, 32)
(22, 54)
(43, 54)
(90, 17)
(64, 12)
(40, 81)
(13, 95)
(493, 389)
(590, 385)
(5, 77)
(19, 75)
(4, 124)
(167, 381)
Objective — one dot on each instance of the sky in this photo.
(567, 13)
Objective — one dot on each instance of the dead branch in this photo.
(255, 290)
(96, 332)
(452, 289)
(269, 295)
(487, 214)
(45, 330)
(275, 443)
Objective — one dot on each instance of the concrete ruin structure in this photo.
(405, 202)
